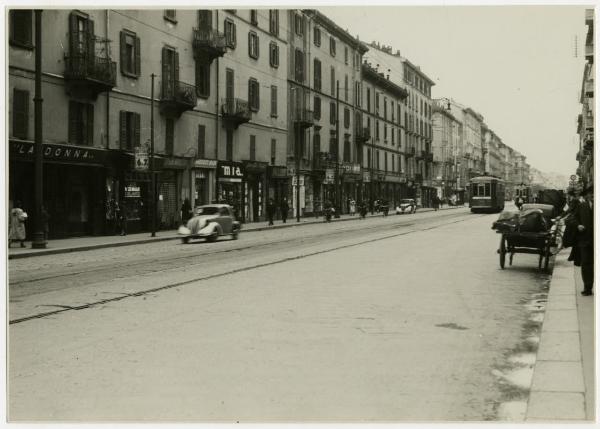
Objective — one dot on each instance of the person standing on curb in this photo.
(284, 207)
(584, 217)
(270, 211)
(17, 225)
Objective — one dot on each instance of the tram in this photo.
(486, 194)
(524, 192)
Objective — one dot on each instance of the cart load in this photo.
(530, 220)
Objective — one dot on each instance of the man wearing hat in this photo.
(584, 217)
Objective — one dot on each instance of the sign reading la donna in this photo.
(57, 152)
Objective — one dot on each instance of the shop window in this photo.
(252, 148)
(299, 65)
(273, 101)
(130, 54)
(274, 22)
(202, 79)
(253, 94)
(274, 55)
(129, 130)
(81, 123)
(253, 16)
(253, 45)
(230, 36)
(20, 114)
(201, 152)
(169, 136)
(317, 74)
(317, 108)
(170, 15)
(21, 24)
(332, 46)
(273, 151)
(317, 36)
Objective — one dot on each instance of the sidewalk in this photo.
(78, 244)
(563, 377)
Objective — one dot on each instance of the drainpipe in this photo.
(107, 92)
(217, 134)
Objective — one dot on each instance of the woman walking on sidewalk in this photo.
(17, 225)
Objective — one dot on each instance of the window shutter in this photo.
(201, 141)
(138, 62)
(252, 148)
(274, 100)
(90, 125)
(136, 129)
(123, 50)
(91, 42)
(73, 109)
(73, 34)
(273, 148)
(165, 77)
(123, 130)
(176, 66)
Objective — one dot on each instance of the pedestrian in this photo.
(584, 216)
(122, 218)
(186, 211)
(435, 202)
(352, 207)
(45, 222)
(519, 202)
(328, 210)
(270, 210)
(17, 225)
(284, 207)
(371, 205)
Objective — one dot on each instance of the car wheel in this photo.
(234, 235)
(212, 238)
(185, 240)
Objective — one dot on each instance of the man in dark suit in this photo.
(584, 217)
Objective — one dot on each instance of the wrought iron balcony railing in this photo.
(89, 73)
(303, 117)
(177, 97)
(209, 43)
(362, 134)
(235, 111)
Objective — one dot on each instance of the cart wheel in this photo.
(502, 252)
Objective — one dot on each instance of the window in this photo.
(357, 94)
(230, 37)
(376, 103)
(393, 163)
(81, 123)
(274, 21)
(317, 108)
(130, 54)
(332, 81)
(273, 151)
(332, 113)
(332, 46)
(20, 119)
(170, 72)
(299, 65)
(129, 130)
(347, 149)
(252, 148)
(316, 144)
(317, 36)
(204, 19)
(369, 157)
(21, 28)
(346, 88)
(377, 159)
(170, 15)
(273, 54)
(317, 74)
(346, 55)
(253, 16)
(170, 136)
(385, 133)
(273, 101)
(346, 117)
(385, 107)
(253, 95)
(298, 25)
(385, 161)
(393, 133)
(201, 152)
(369, 100)
(202, 79)
(392, 109)
(253, 45)
(377, 130)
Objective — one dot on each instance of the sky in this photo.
(515, 65)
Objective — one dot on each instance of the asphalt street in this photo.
(404, 318)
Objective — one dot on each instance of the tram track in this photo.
(65, 308)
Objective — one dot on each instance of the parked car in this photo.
(407, 205)
(210, 222)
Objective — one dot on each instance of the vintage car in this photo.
(407, 205)
(210, 222)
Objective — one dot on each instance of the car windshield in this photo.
(206, 210)
(406, 201)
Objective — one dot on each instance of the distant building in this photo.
(585, 123)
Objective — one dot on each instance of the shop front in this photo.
(73, 181)
(203, 181)
(230, 186)
(365, 194)
(173, 186)
(255, 175)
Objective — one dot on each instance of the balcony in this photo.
(323, 160)
(589, 88)
(362, 134)
(429, 157)
(589, 52)
(303, 118)
(410, 152)
(589, 142)
(467, 155)
(418, 178)
(420, 154)
(235, 111)
(176, 98)
(208, 44)
(87, 76)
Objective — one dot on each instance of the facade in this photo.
(447, 144)
(382, 127)
(209, 118)
(585, 123)
(417, 117)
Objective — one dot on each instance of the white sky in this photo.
(515, 65)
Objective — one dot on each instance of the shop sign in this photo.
(230, 171)
(205, 163)
(329, 176)
(57, 152)
(350, 168)
(366, 176)
(132, 190)
(141, 158)
(255, 166)
(175, 163)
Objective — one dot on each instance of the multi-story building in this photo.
(447, 134)
(585, 125)
(324, 86)
(215, 138)
(418, 117)
(382, 129)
